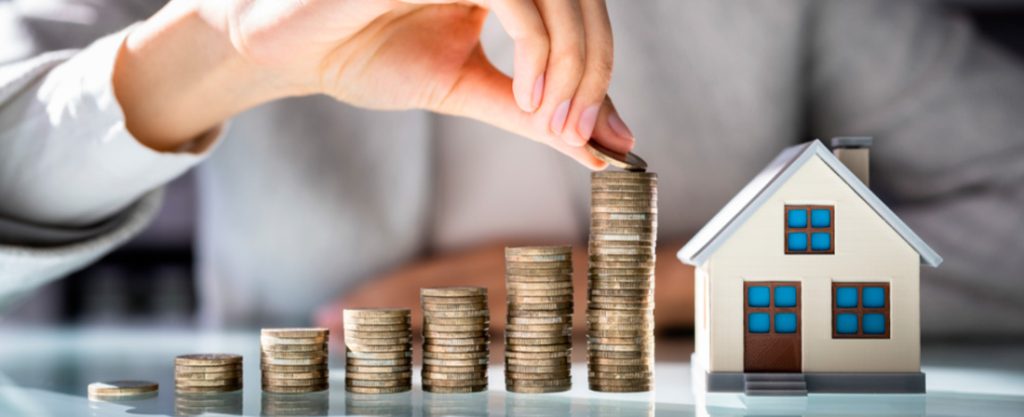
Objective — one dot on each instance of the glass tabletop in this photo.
(44, 372)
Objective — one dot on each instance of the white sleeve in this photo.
(66, 158)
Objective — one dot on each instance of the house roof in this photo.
(761, 188)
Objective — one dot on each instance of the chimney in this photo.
(855, 153)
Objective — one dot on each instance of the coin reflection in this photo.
(306, 404)
(399, 404)
(474, 404)
(188, 404)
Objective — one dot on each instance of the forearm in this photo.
(178, 75)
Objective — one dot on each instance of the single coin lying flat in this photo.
(628, 161)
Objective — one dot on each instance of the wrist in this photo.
(177, 76)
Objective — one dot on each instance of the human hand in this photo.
(423, 54)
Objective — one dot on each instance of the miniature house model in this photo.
(806, 281)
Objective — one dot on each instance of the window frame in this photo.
(809, 230)
(771, 309)
(860, 310)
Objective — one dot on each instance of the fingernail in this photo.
(538, 93)
(588, 118)
(618, 126)
(558, 118)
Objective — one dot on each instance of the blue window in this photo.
(796, 242)
(797, 219)
(810, 229)
(785, 323)
(846, 323)
(757, 296)
(772, 307)
(874, 323)
(861, 310)
(785, 296)
(821, 241)
(821, 218)
(757, 322)
(874, 297)
(846, 297)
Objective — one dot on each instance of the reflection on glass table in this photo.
(44, 372)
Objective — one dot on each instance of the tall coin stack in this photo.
(538, 336)
(207, 373)
(456, 339)
(293, 360)
(378, 350)
(620, 307)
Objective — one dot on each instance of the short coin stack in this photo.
(205, 373)
(620, 308)
(538, 336)
(378, 350)
(456, 339)
(293, 360)
(121, 390)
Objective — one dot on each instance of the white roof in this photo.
(755, 193)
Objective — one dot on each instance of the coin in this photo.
(628, 161)
(378, 390)
(301, 333)
(207, 359)
(475, 376)
(273, 340)
(454, 390)
(292, 368)
(453, 291)
(378, 375)
(296, 375)
(537, 250)
(209, 369)
(378, 362)
(207, 375)
(125, 388)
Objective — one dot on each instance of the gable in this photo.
(858, 234)
(765, 184)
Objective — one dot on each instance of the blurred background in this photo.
(150, 281)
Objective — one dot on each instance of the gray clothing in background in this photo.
(302, 199)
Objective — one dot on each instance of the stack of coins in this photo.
(538, 336)
(456, 339)
(378, 350)
(120, 390)
(293, 360)
(620, 297)
(206, 373)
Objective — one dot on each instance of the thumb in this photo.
(485, 94)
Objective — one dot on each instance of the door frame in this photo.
(772, 352)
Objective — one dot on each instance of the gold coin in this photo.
(537, 348)
(207, 375)
(276, 361)
(538, 250)
(456, 356)
(378, 362)
(294, 390)
(454, 375)
(377, 369)
(208, 369)
(455, 382)
(455, 349)
(542, 356)
(404, 353)
(376, 328)
(378, 390)
(301, 333)
(471, 369)
(207, 359)
(378, 376)
(537, 390)
(207, 390)
(273, 340)
(453, 291)
(455, 362)
(517, 274)
(454, 390)
(296, 375)
(125, 388)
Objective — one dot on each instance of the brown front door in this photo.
(771, 326)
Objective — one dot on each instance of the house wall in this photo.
(700, 318)
(866, 249)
